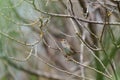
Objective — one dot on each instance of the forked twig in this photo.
(71, 59)
(23, 60)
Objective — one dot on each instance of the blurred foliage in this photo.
(14, 13)
(8, 47)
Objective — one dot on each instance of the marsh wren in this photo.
(67, 48)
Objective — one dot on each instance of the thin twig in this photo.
(104, 26)
(49, 45)
(20, 42)
(87, 45)
(19, 23)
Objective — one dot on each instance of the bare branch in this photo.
(74, 17)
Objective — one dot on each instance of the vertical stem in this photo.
(81, 57)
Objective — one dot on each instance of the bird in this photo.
(69, 51)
